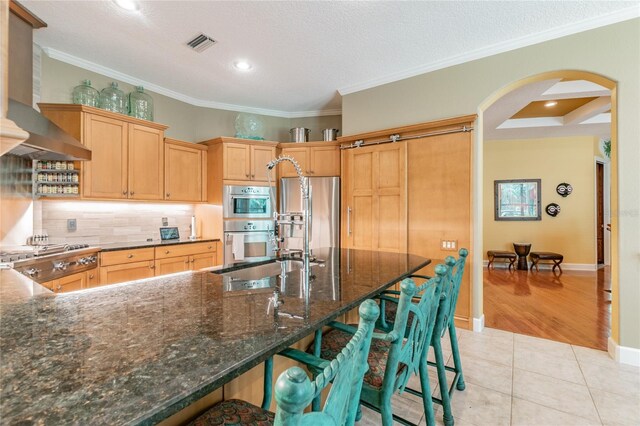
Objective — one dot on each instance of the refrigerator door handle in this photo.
(348, 220)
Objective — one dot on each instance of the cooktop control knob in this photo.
(32, 272)
(60, 266)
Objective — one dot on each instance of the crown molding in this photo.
(506, 46)
(109, 72)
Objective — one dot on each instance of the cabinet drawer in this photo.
(185, 249)
(126, 256)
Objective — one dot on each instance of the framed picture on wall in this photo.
(517, 199)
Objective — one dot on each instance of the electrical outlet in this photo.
(72, 225)
(449, 245)
(165, 221)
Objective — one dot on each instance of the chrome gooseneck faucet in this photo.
(289, 218)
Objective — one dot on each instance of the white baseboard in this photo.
(623, 354)
(478, 324)
(548, 266)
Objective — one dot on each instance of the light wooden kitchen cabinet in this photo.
(126, 272)
(93, 277)
(247, 162)
(315, 159)
(127, 153)
(374, 209)
(72, 282)
(172, 265)
(185, 257)
(126, 265)
(145, 163)
(185, 171)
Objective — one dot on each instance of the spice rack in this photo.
(58, 179)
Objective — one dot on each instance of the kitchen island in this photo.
(136, 353)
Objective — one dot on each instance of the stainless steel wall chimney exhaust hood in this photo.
(46, 140)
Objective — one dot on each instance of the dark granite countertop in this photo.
(135, 353)
(154, 243)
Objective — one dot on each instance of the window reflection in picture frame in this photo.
(517, 199)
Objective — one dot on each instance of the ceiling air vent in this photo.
(201, 42)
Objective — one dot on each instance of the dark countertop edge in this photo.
(155, 243)
(184, 401)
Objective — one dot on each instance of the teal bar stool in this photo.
(444, 321)
(396, 355)
(294, 391)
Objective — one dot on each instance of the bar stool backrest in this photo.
(451, 290)
(417, 333)
(294, 390)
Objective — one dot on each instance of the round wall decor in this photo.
(552, 209)
(564, 189)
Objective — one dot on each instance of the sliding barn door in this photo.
(374, 215)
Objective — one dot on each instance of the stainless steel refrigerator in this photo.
(325, 211)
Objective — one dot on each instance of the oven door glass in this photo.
(253, 206)
(257, 246)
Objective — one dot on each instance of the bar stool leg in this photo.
(442, 380)
(457, 363)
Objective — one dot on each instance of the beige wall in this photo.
(553, 160)
(186, 122)
(612, 51)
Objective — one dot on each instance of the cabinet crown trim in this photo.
(97, 111)
(192, 145)
(224, 139)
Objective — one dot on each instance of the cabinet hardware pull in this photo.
(168, 194)
(131, 193)
(166, 252)
(246, 175)
(348, 220)
(124, 192)
(91, 276)
(129, 256)
(209, 247)
(152, 266)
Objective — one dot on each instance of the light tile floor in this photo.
(514, 379)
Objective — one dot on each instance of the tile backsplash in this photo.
(109, 222)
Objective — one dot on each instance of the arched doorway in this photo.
(479, 189)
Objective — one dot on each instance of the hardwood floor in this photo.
(572, 307)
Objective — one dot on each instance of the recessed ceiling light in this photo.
(242, 65)
(130, 5)
(551, 104)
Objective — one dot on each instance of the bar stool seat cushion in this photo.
(234, 412)
(335, 340)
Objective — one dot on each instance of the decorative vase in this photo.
(84, 94)
(113, 99)
(140, 104)
(249, 126)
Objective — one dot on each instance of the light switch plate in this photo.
(72, 225)
(165, 221)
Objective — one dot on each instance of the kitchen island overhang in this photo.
(140, 352)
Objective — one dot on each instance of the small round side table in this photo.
(522, 250)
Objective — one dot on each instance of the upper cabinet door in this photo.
(183, 173)
(260, 157)
(237, 160)
(324, 161)
(301, 155)
(146, 163)
(105, 176)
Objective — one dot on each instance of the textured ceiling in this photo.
(304, 53)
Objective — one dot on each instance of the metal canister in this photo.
(330, 134)
(299, 134)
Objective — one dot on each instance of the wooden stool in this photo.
(497, 254)
(537, 256)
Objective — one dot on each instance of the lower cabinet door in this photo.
(203, 260)
(93, 278)
(172, 265)
(126, 272)
(71, 283)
